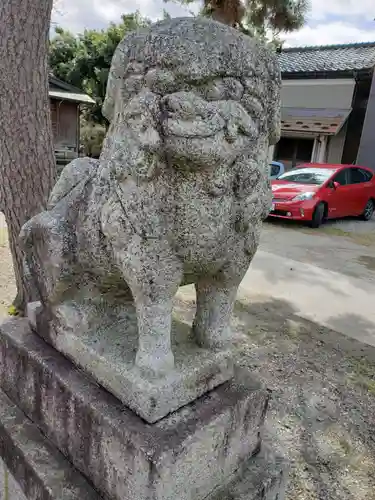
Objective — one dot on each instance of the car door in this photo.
(338, 198)
(360, 189)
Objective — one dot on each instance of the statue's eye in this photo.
(221, 89)
(233, 89)
(212, 91)
(253, 105)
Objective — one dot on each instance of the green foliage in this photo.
(62, 52)
(275, 16)
(84, 60)
(265, 19)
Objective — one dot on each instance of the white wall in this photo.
(320, 94)
(336, 146)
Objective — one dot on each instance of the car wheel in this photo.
(318, 216)
(369, 210)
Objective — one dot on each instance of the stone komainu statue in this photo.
(178, 195)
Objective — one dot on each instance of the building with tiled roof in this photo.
(328, 59)
(328, 104)
(65, 102)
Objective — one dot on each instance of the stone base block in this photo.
(108, 354)
(263, 477)
(38, 467)
(185, 455)
(38, 471)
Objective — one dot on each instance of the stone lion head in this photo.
(194, 93)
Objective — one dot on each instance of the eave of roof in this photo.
(327, 61)
(68, 92)
(71, 96)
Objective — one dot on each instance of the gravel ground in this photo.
(7, 286)
(322, 413)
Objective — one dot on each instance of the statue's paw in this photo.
(157, 364)
(216, 341)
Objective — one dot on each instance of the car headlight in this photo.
(304, 196)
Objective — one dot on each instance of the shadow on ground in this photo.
(358, 324)
(322, 414)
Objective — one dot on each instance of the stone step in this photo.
(34, 469)
(185, 456)
(35, 465)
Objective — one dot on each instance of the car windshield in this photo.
(316, 176)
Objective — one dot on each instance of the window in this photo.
(368, 175)
(358, 176)
(295, 150)
(275, 169)
(285, 148)
(342, 177)
(314, 176)
(304, 150)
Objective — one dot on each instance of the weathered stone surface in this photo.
(40, 469)
(262, 477)
(109, 356)
(178, 195)
(185, 455)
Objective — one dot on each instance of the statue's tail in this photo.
(26, 235)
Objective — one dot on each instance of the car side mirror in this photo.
(336, 185)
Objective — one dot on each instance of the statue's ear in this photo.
(274, 104)
(113, 83)
(126, 51)
(108, 109)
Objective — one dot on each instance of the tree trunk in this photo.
(27, 163)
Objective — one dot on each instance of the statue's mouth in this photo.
(229, 126)
(192, 129)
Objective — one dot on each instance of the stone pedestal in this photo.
(108, 355)
(65, 437)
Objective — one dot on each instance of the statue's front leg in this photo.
(153, 275)
(216, 296)
(215, 301)
(154, 328)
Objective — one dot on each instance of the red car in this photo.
(316, 192)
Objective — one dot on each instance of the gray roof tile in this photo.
(328, 58)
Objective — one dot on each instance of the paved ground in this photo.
(346, 246)
(328, 298)
(326, 275)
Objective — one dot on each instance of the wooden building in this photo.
(66, 102)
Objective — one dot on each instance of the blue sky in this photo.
(329, 21)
